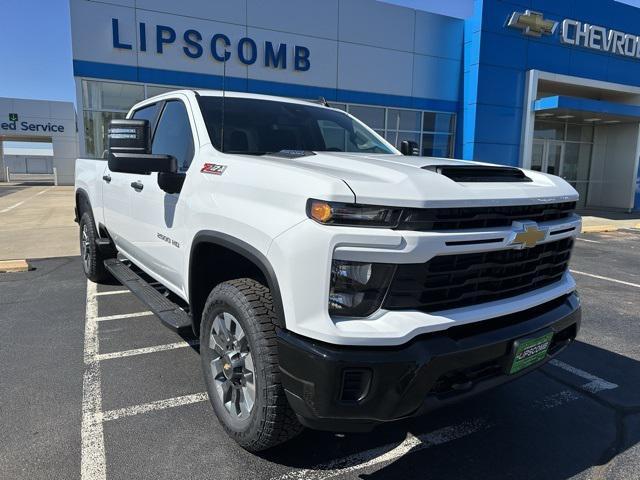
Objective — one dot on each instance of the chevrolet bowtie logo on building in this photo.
(528, 236)
(532, 23)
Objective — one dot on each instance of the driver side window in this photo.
(173, 134)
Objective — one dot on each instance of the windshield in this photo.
(257, 127)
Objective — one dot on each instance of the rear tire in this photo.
(239, 357)
(92, 258)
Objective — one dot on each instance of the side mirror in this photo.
(409, 148)
(129, 136)
(130, 149)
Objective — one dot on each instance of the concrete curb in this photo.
(13, 266)
(600, 228)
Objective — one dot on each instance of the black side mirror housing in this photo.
(142, 163)
(130, 149)
(409, 148)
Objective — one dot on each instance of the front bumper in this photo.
(354, 388)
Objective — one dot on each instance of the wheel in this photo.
(240, 365)
(92, 258)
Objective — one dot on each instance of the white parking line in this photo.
(92, 462)
(387, 453)
(123, 316)
(587, 240)
(145, 350)
(112, 292)
(609, 279)
(8, 209)
(594, 385)
(153, 406)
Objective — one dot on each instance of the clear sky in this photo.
(35, 54)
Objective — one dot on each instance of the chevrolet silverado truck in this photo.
(333, 281)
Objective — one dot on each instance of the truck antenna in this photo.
(224, 81)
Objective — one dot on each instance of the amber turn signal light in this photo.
(321, 211)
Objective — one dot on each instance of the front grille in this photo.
(433, 219)
(453, 281)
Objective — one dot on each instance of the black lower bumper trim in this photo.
(354, 388)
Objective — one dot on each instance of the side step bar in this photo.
(169, 312)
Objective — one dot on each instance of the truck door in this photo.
(158, 216)
(116, 193)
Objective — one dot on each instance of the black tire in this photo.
(270, 420)
(91, 257)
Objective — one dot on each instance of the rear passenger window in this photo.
(173, 134)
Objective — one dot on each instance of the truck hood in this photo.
(403, 181)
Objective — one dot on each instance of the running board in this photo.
(169, 312)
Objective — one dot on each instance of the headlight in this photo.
(334, 213)
(357, 288)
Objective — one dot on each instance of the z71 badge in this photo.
(213, 168)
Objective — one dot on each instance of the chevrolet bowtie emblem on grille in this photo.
(528, 236)
(532, 23)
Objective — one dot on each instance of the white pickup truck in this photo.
(333, 281)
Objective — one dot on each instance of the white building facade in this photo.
(39, 121)
(396, 68)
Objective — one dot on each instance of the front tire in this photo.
(92, 258)
(240, 364)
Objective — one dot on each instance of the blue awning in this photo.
(562, 104)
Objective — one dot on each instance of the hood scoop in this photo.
(479, 173)
(292, 153)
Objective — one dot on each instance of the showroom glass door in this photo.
(569, 160)
(548, 156)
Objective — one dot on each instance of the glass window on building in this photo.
(339, 106)
(111, 96)
(405, 120)
(564, 149)
(433, 132)
(102, 102)
(152, 90)
(436, 145)
(549, 130)
(96, 125)
(372, 116)
(438, 122)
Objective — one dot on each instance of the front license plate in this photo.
(529, 351)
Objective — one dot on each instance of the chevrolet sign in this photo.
(599, 38)
(532, 23)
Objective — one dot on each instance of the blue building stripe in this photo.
(127, 73)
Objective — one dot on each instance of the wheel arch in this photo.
(251, 262)
(83, 204)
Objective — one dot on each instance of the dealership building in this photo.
(552, 85)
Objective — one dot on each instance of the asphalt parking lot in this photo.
(94, 387)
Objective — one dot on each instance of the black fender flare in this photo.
(82, 196)
(246, 250)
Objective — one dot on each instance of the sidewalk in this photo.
(37, 222)
(602, 221)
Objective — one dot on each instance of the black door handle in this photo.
(137, 186)
(107, 178)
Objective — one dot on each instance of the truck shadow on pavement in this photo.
(559, 421)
